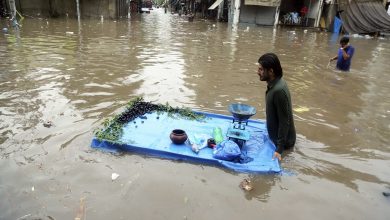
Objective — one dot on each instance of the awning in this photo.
(270, 3)
(216, 3)
(363, 17)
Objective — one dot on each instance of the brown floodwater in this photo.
(76, 76)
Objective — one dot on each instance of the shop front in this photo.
(300, 12)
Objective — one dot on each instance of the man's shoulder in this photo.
(280, 85)
(281, 82)
(351, 50)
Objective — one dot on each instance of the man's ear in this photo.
(271, 72)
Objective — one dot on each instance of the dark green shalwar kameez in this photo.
(280, 121)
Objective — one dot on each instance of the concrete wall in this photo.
(60, 8)
(91, 8)
(96, 8)
(260, 15)
(33, 7)
(63, 8)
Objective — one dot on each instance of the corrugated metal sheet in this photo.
(122, 8)
(365, 17)
(257, 15)
(272, 3)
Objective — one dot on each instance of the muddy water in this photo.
(77, 76)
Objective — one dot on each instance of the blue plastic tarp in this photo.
(149, 135)
(337, 25)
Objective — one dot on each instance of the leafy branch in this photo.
(113, 128)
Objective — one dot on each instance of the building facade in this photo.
(277, 12)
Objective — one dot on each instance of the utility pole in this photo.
(236, 15)
(277, 13)
(78, 10)
(13, 19)
(12, 7)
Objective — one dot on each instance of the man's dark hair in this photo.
(344, 40)
(271, 61)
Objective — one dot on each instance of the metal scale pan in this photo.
(241, 112)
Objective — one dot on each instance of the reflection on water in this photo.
(74, 76)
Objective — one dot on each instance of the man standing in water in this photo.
(344, 55)
(280, 121)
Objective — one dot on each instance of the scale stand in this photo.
(237, 132)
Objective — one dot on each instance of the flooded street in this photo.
(75, 77)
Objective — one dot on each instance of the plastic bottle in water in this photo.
(195, 148)
(193, 141)
(217, 135)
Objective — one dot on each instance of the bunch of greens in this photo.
(112, 128)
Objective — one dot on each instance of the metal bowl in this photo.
(242, 112)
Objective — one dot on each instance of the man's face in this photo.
(264, 74)
(343, 44)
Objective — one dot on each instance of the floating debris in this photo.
(24, 217)
(246, 185)
(47, 124)
(81, 213)
(114, 176)
(301, 109)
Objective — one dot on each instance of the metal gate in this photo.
(122, 8)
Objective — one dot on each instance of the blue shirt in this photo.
(342, 64)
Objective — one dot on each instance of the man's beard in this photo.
(265, 77)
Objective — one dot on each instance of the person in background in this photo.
(304, 11)
(279, 115)
(344, 55)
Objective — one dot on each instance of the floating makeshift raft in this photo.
(149, 135)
